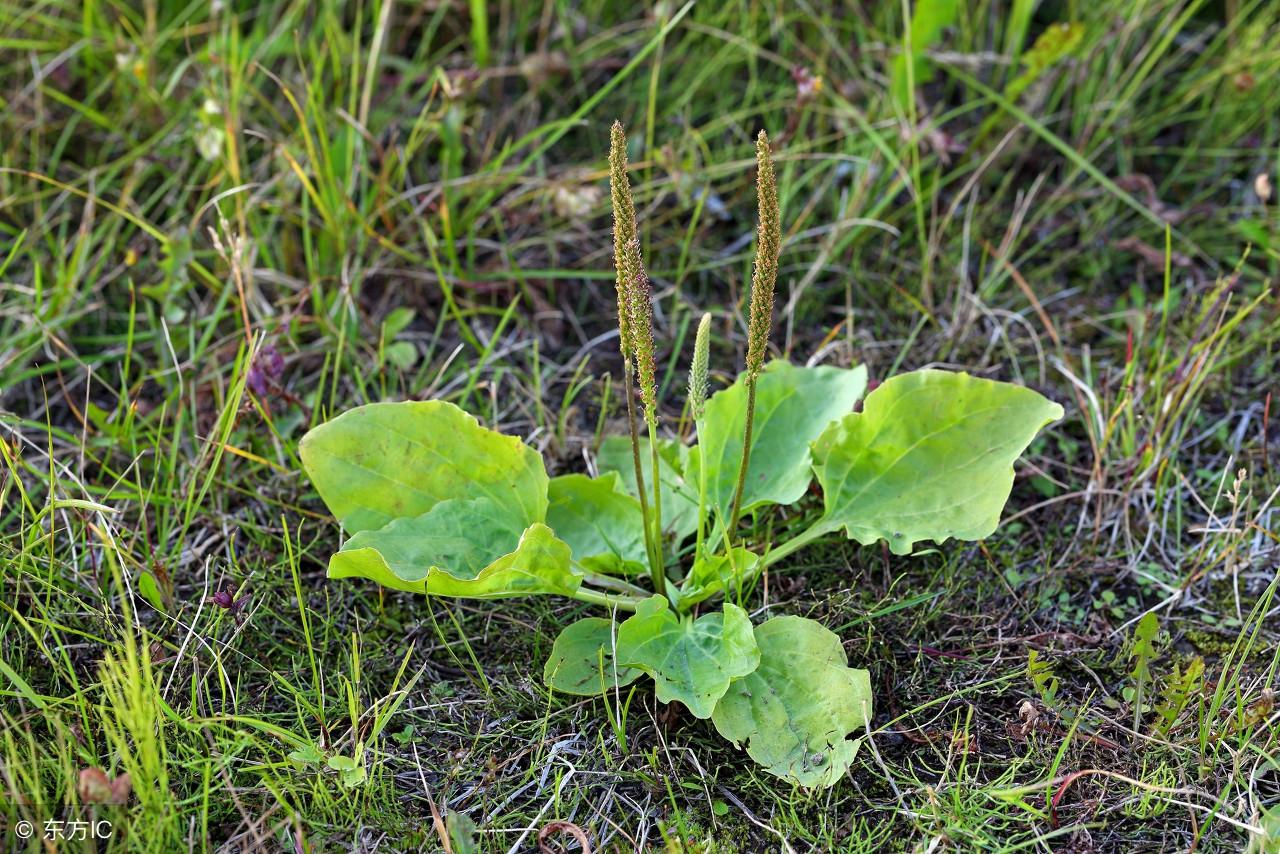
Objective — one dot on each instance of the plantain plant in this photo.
(435, 503)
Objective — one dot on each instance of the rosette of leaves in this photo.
(433, 502)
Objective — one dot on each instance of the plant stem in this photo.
(658, 568)
(702, 504)
(655, 565)
(606, 600)
(818, 529)
(610, 583)
(746, 460)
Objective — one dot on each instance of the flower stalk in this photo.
(635, 337)
(640, 302)
(760, 320)
(698, 371)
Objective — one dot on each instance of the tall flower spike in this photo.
(624, 231)
(766, 266)
(640, 330)
(698, 369)
(633, 306)
(761, 319)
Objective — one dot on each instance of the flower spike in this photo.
(639, 301)
(624, 231)
(766, 267)
(635, 338)
(760, 320)
(699, 368)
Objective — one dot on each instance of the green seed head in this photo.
(640, 330)
(624, 232)
(698, 370)
(766, 266)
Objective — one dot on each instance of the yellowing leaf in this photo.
(463, 536)
(385, 461)
(929, 458)
(537, 563)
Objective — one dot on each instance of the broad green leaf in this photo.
(386, 461)
(690, 660)
(930, 457)
(600, 522)
(796, 710)
(536, 561)
(351, 771)
(367, 563)
(540, 564)
(462, 535)
(718, 573)
(679, 496)
(582, 660)
(793, 407)
(341, 763)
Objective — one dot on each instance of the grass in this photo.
(402, 201)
